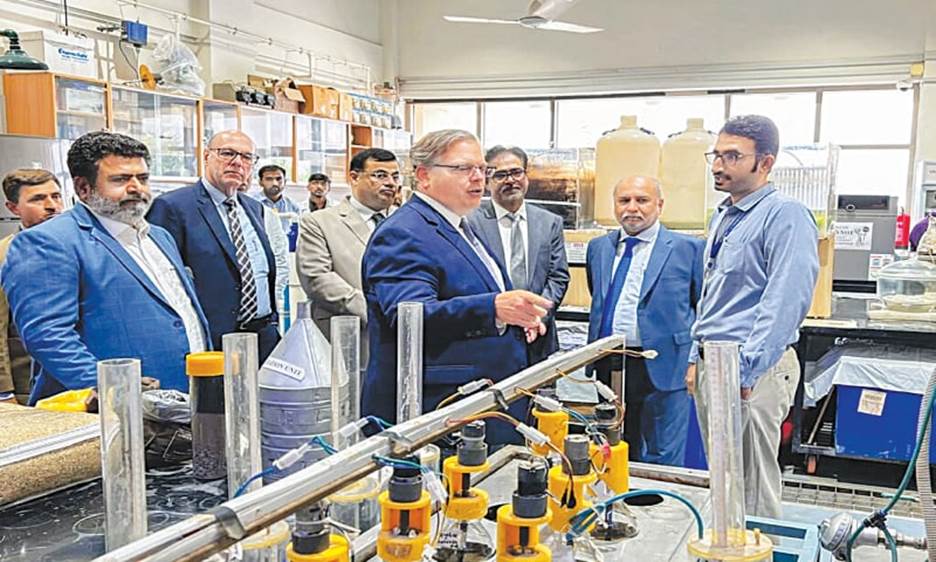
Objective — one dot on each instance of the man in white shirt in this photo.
(331, 241)
(526, 238)
(99, 282)
(645, 282)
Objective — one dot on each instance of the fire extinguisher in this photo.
(902, 239)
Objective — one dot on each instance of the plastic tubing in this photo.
(409, 360)
(345, 373)
(722, 385)
(122, 460)
(241, 410)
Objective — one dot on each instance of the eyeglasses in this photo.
(383, 176)
(729, 158)
(228, 155)
(467, 169)
(501, 176)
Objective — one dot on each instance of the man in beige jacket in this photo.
(332, 241)
(34, 196)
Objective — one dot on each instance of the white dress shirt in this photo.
(157, 267)
(504, 226)
(455, 220)
(367, 214)
(625, 313)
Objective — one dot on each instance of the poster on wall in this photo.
(853, 235)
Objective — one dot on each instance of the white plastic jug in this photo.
(627, 151)
(685, 175)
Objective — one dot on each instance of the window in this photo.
(867, 117)
(793, 112)
(582, 122)
(526, 124)
(429, 117)
(873, 172)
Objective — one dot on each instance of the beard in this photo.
(129, 210)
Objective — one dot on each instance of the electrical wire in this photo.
(320, 441)
(580, 522)
(379, 422)
(265, 472)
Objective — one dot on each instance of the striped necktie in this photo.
(248, 300)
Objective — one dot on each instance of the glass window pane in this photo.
(517, 123)
(794, 113)
(873, 172)
(429, 117)
(846, 118)
(582, 122)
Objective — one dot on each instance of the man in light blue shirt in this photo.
(760, 269)
(273, 183)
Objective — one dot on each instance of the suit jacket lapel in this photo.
(658, 257)
(209, 212)
(538, 233)
(606, 275)
(491, 233)
(353, 220)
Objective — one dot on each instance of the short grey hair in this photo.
(432, 146)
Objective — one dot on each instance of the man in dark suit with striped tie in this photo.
(645, 282)
(222, 237)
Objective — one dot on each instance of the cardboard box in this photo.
(821, 306)
(321, 101)
(287, 96)
(345, 107)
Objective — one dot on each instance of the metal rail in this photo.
(204, 534)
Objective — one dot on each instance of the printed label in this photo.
(853, 235)
(576, 252)
(871, 402)
(286, 368)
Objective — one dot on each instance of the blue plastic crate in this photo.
(888, 436)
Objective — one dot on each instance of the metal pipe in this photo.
(241, 410)
(202, 535)
(122, 461)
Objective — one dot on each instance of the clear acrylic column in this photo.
(345, 377)
(241, 410)
(727, 538)
(122, 459)
(409, 360)
(410, 372)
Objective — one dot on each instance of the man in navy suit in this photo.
(221, 235)
(645, 282)
(526, 238)
(98, 282)
(475, 325)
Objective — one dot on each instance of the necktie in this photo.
(377, 218)
(248, 300)
(518, 268)
(614, 290)
(482, 253)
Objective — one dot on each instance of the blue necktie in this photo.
(617, 284)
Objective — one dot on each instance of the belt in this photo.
(702, 350)
(256, 323)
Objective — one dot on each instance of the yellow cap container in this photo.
(204, 364)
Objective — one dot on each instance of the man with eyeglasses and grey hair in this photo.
(526, 238)
(332, 241)
(222, 237)
(476, 324)
(761, 263)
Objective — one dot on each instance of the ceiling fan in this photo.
(541, 14)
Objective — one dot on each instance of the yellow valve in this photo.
(404, 528)
(68, 401)
(558, 486)
(518, 538)
(465, 503)
(614, 472)
(337, 551)
(554, 425)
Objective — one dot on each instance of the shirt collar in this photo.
(648, 234)
(119, 229)
(449, 215)
(750, 200)
(501, 212)
(363, 209)
(217, 196)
